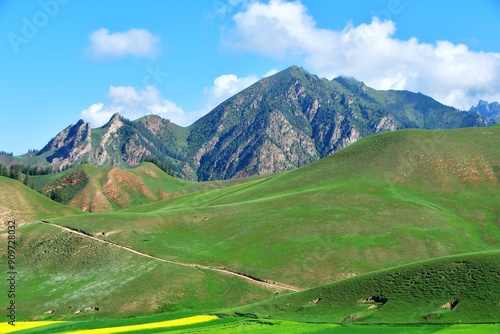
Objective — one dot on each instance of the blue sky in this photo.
(62, 60)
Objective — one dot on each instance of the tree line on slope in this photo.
(23, 174)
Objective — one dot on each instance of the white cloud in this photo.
(132, 104)
(97, 114)
(134, 42)
(224, 87)
(270, 72)
(451, 73)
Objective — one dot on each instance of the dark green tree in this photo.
(4, 171)
(16, 172)
(56, 195)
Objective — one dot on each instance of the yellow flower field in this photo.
(162, 324)
(6, 328)
(22, 325)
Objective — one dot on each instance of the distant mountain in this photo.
(294, 118)
(490, 111)
(281, 122)
(119, 143)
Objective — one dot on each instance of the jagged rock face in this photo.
(281, 122)
(155, 124)
(490, 111)
(70, 145)
(108, 142)
(294, 118)
(134, 152)
(386, 123)
(74, 145)
(119, 145)
(296, 145)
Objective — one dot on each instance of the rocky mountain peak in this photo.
(490, 111)
(80, 122)
(70, 145)
(114, 120)
(283, 121)
(293, 118)
(68, 135)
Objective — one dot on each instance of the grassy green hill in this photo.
(65, 273)
(387, 200)
(105, 189)
(453, 289)
(20, 203)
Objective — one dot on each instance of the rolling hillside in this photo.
(61, 274)
(20, 203)
(105, 189)
(447, 290)
(387, 200)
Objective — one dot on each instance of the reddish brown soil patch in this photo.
(118, 180)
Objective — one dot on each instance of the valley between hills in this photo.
(390, 231)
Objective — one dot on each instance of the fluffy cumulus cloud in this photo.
(133, 103)
(224, 87)
(134, 42)
(451, 73)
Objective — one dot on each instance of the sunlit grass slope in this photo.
(457, 289)
(20, 203)
(105, 189)
(386, 200)
(60, 274)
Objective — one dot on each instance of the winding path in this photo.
(227, 271)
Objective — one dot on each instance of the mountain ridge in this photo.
(490, 111)
(281, 122)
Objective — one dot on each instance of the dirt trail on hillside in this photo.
(228, 271)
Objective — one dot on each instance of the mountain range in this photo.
(490, 111)
(284, 121)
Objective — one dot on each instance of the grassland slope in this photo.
(384, 201)
(62, 275)
(22, 204)
(105, 189)
(457, 289)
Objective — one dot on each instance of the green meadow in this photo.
(381, 202)
(380, 237)
(456, 289)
